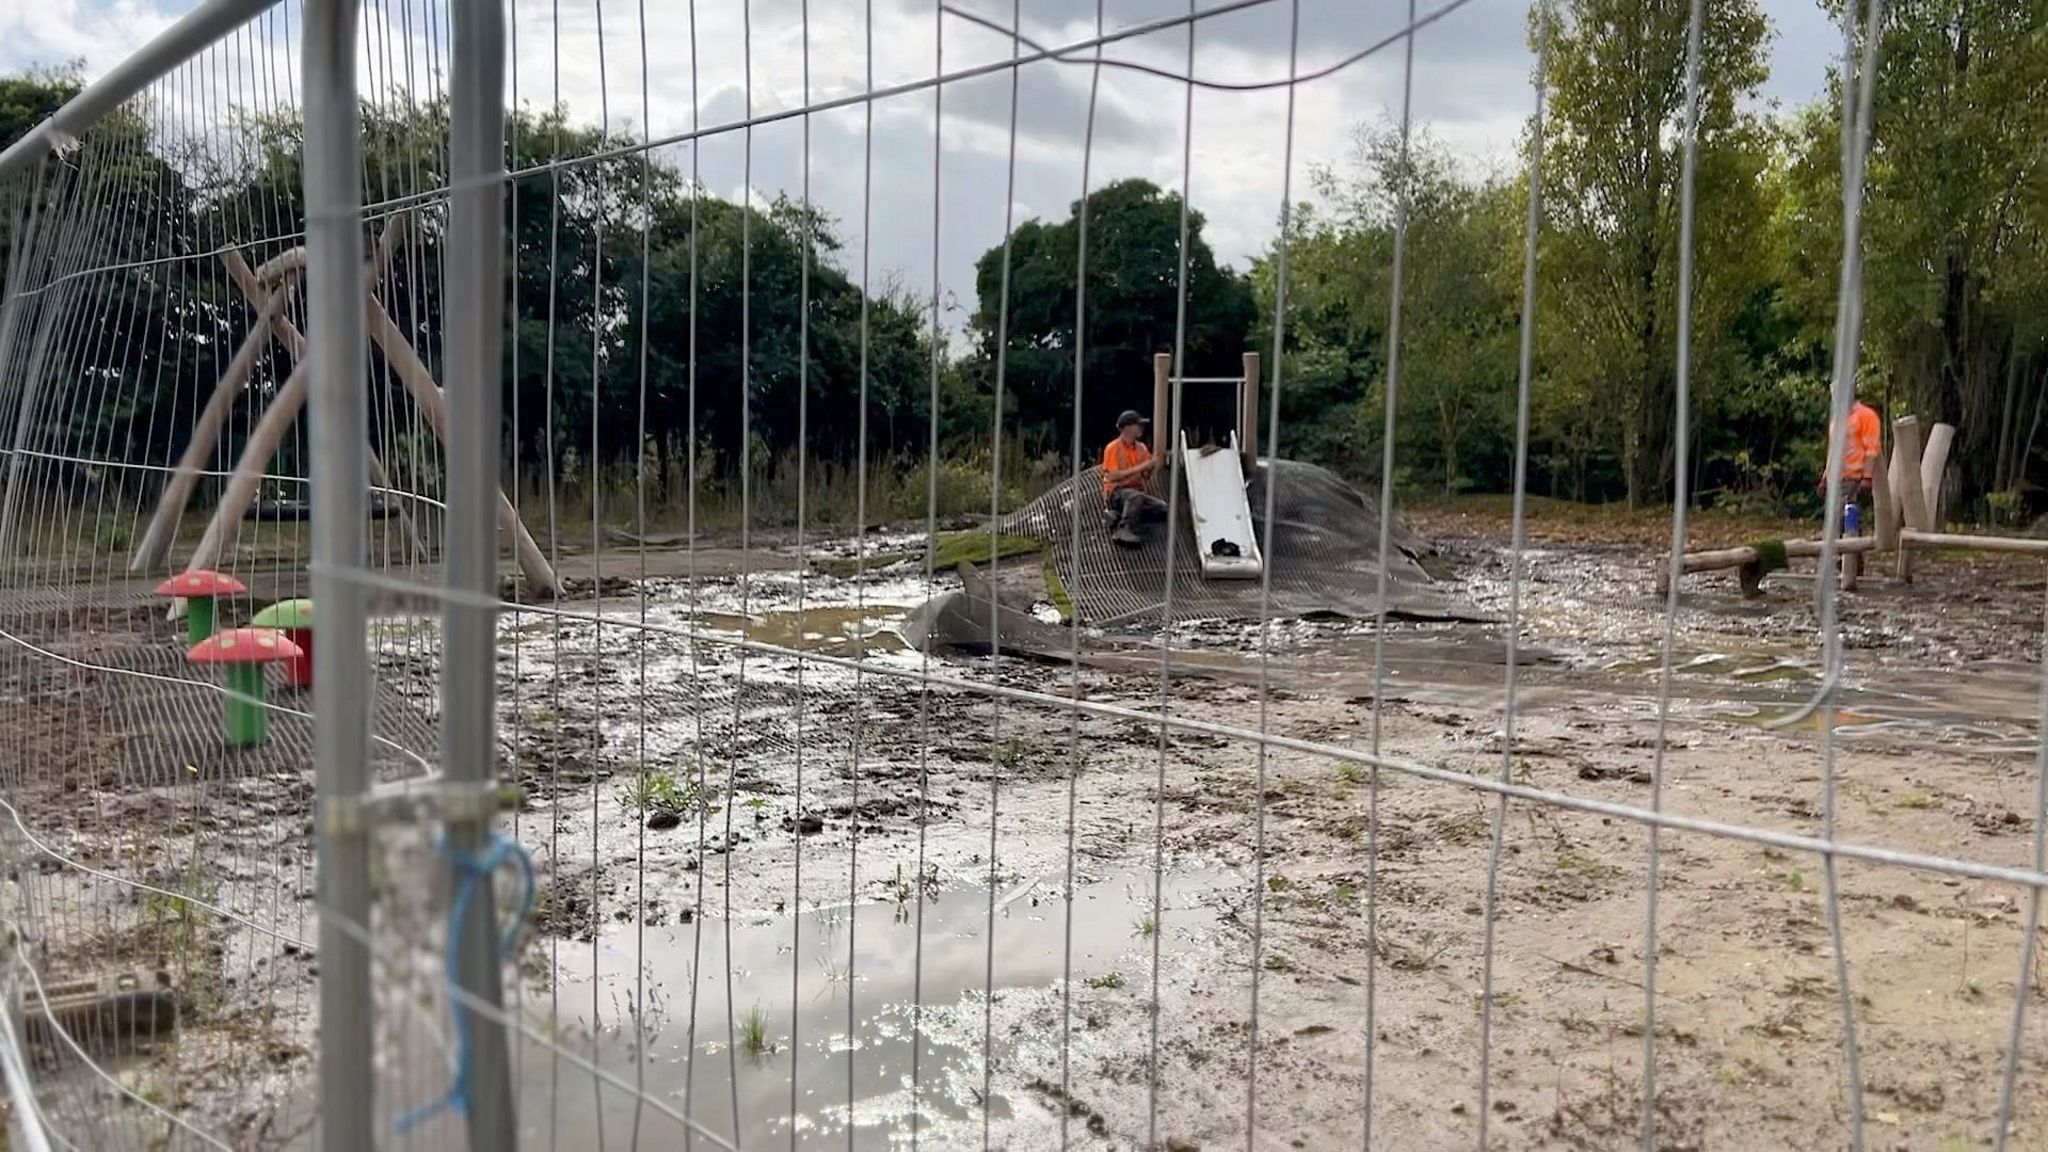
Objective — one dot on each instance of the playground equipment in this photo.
(1220, 510)
(242, 653)
(1214, 475)
(200, 589)
(293, 618)
(270, 288)
(1906, 518)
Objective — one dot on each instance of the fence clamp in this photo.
(434, 800)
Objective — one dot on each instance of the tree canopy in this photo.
(1954, 275)
(1132, 306)
(623, 276)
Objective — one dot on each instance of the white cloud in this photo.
(1471, 88)
(55, 32)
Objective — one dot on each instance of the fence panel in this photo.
(740, 719)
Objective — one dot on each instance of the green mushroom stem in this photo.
(247, 723)
(199, 618)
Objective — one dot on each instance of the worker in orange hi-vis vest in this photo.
(1126, 461)
(1862, 454)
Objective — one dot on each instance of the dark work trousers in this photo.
(1132, 507)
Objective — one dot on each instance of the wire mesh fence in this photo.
(730, 719)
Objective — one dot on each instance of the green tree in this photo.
(1335, 337)
(1611, 175)
(1955, 225)
(1134, 290)
(1458, 319)
(29, 98)
(589, 223)
(113, 332)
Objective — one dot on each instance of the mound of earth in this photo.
(1321, 550)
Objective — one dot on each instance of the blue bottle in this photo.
(1851, 519)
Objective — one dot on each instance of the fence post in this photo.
(475, 296)
(339, 428)
(1248, 414)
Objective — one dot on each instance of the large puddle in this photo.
(876, 1016)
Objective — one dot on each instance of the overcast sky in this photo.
(1471, 90)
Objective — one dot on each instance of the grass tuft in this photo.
(754, 1031)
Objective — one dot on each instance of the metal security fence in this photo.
(525, 622)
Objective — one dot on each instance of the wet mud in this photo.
(788, 898)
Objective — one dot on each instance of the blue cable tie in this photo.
(473, 868)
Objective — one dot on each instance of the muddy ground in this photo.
(805, 921)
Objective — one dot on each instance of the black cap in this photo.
(1129, 418)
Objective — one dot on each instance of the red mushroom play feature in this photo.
(294, 618)
(200, 589)
(242, 653)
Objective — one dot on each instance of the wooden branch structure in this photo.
(1906, 498)
(170, 505)
(270, 287)
(414, 372)
(170, 508)
(295, 343)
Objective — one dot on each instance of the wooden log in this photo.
(2019, 544)
(288, 262)
(295, 342)
(1933, 464)
(1710, 560)
(1723, 558)
(1744, 554)
(248, 474)
(420, 381)
(1906, 486)
(170, 504)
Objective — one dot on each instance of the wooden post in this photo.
(1906, 486)
(1884, 509)
(1162, 419)
(1933, 463)
(170, 504)
(420, 381)
(1248, 404)
(1162, 396)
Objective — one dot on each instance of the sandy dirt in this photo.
(844, 867)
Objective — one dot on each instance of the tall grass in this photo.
(899, 491)
(72, 530)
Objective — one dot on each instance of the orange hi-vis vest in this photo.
(1866, 442)
(1119, 456)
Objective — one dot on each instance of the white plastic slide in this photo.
(1221, 512)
